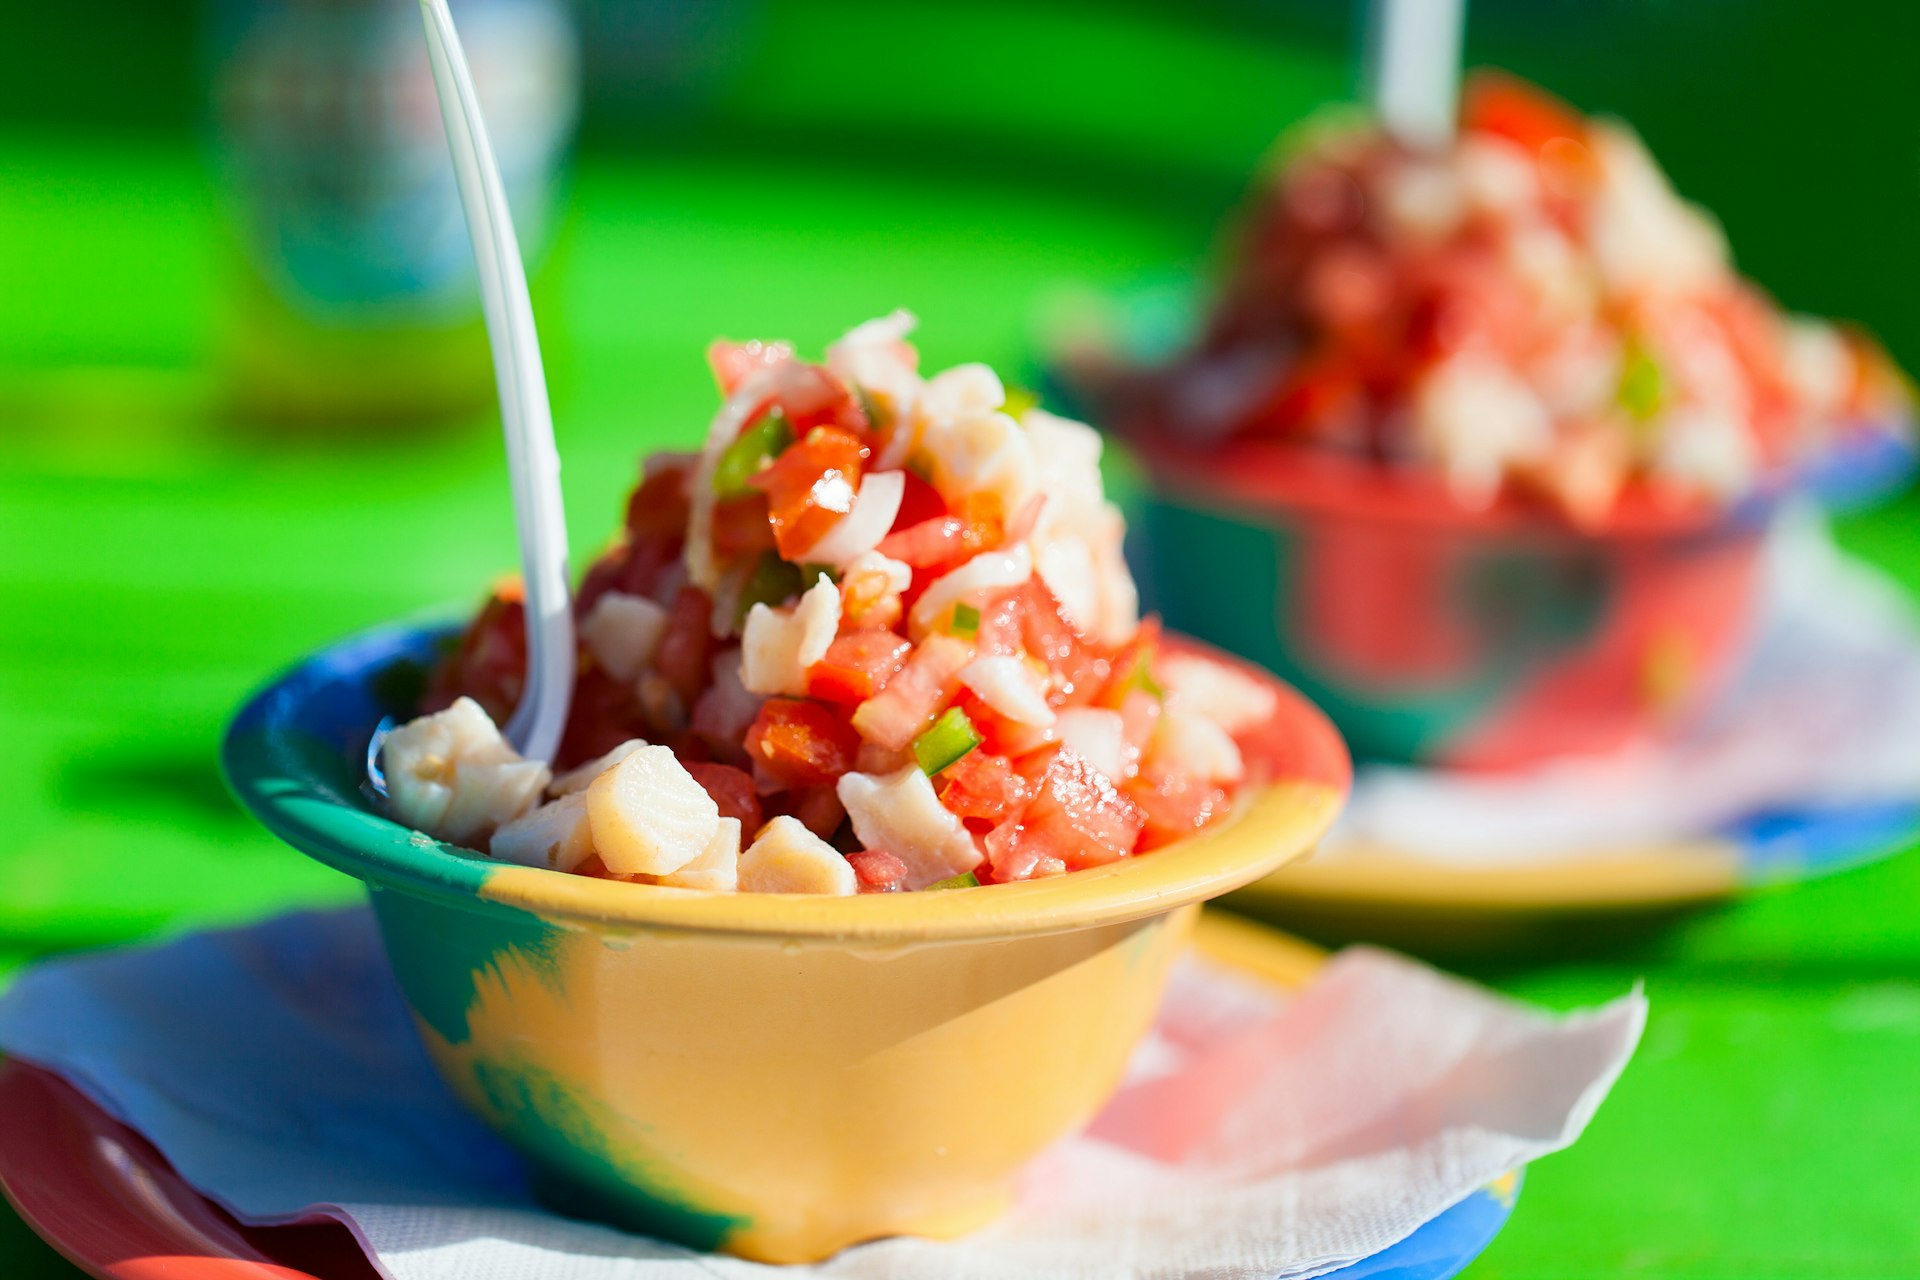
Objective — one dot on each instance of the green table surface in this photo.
(155, 563)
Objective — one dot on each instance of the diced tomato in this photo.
(801, 744)
(919, 502)
(999, 735)
(810, 486)
(732, 790)
(983, 786)
(948, 541)
(1077, 819)
(685, 653)
(1517, 111)
(742, 526)
(857, 666)
(659, 505)
(819, 810)
(917, 693)
(604, 714)
(877, 871)
(734, 362)
(1078, 663)
(1001, 632)
(1174, 806)
(490, 664)
(636, 567)
(1131, 664)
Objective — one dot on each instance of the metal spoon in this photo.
(526, 418)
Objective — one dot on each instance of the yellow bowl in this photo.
(776, 1076)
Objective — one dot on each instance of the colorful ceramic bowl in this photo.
(1438, 634)
(777, 1076)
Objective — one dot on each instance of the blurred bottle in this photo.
(356, 300)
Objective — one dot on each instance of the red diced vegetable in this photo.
(685, 652)
(857, 666)
(734, 362)
(878, 871)
(984, 787)
(1517, 111)
(1077, 818)
(1056, 642)
(732, 790)
(810, 486)
(1174, 806)
(893, 717)
(801, 744)
(660, 505)
(819, 810)
(946, 542)
(742, 526)
(490, 664)
(919, 502)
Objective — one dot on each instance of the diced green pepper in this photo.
(758, 445)
(773, 581)
(878, 419)
(966, 621)
(1141, 677)
(1643, 387)
(965, 880)
(1019, 400)
(951, 737)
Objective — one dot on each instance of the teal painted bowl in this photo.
(1436, 634)
(773, 1075)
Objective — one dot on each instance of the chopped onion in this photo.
(861, 529)
(986, 572)
(1008, 686)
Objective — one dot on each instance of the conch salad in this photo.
(876, 635)
(1531, 310)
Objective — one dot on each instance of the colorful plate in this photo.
(107, 1200)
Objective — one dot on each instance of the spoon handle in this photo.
(526, 419)
(1413, 67)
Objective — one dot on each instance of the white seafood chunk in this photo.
(787, 858)
(578, 779)
(555, 835)
(487, 794)
(419, 759)
(962, 392)
(1187, 742)
(778, 645)
(649, 815)
(900, 813)
(718, 868)
(1231, 699)
(1475, 417)
(1010, 687)
(987, 572)
(987, 454)
(622, 631)
(858, 532)
(1099, 735)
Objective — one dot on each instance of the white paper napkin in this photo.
(1256, 1136)
(1825, 712)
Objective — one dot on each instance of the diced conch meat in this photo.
(442, 769)
(778, 645)
(621, 631)
(717, 869)
(578, 779)
(987, 454)
(859, 531)
(1099, 735)
(787, 858)
(556, 836)
(1187, 742)
(901, 813)
(486, 794)
(1230, 698)
(1011, 687)
(649, 815)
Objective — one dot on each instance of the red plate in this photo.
(100, 1194)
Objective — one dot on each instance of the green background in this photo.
(786, 170)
